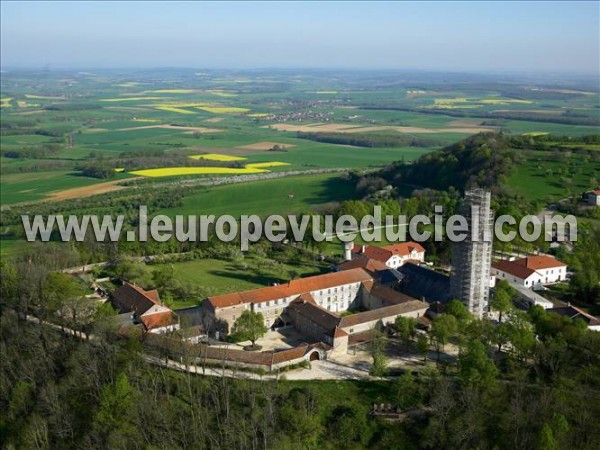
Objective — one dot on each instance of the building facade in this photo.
(531, 272)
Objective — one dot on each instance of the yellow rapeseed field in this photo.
(222, 109)
(5, 102)
(177, 171)
(266, 164)
(221, 93)
(218, 157)
(43, 97)
(535, 134)
(174, 109)
(173, 91)
(130, 99)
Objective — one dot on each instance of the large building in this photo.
(313, 306)
(471, 258)
(530, 272)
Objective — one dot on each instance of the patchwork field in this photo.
(53, 185)
(51, 130)
(341, 128)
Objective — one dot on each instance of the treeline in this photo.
(368, 140)
(566, 119)
(484, 160)
(39, 151)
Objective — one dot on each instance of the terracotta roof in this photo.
(373, 252)
(290, 289)
(380, 313)
(158, 320)
(363, 336)
(363, 262)
(405, 248)
(524, 267)
(338, 333)
(290, 354)
(133, 298)
(390, 296)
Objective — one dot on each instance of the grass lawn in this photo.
(267, 196)
(219, 277)
(542, 179)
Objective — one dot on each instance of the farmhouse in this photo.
(392, 256)
(531, 271)
(141, 307)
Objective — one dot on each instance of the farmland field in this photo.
(223, 124)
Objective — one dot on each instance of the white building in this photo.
(394, 255)
(530, 272)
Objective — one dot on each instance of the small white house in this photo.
(394, 255)
(530, 272)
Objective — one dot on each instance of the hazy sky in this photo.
(458, 36)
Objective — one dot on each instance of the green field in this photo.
(542, 179)
(26, 187)
(267, 197)
(52, 128)
(216, 276)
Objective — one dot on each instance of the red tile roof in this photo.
(373, 252)
(292, 288)
(405, 248)
(524, 267)
(363, 262)
(158, 320)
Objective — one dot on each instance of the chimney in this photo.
(348, 246)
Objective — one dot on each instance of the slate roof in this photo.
(576, 313)
(423, 283)
(381, 313)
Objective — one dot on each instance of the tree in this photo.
(380, 365)
(250, 326)
(502, 300)
(442, 328)
(407, 328)
(457, 309)
(407, 391)
(423, 345)
(474, 366)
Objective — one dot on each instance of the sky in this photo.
(454, 36)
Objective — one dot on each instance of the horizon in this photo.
(459, 37)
